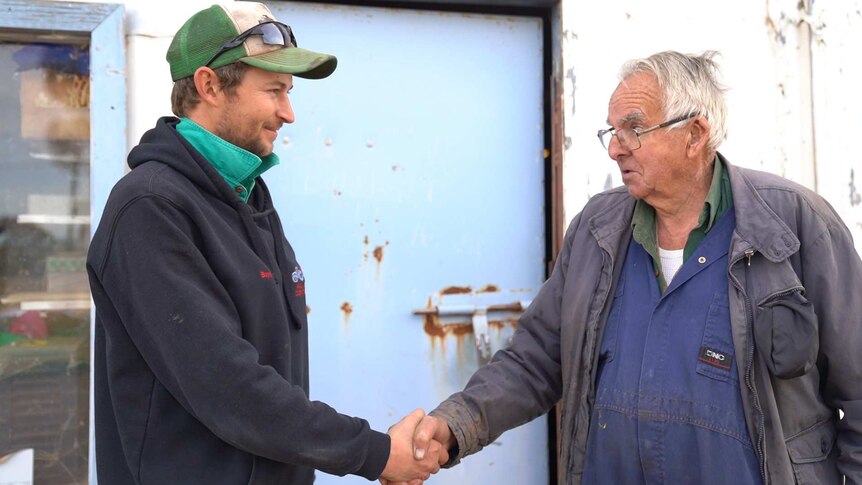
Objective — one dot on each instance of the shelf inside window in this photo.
(48, 301)
(53, 219)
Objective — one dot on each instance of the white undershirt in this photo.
(671, 261)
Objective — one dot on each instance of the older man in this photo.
(702, 325)
(201, 368)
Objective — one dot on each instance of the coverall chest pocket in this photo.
(715, 356)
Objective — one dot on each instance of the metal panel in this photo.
(413, 177)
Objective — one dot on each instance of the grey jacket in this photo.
(795, 296)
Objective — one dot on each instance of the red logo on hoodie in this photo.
(266, 275)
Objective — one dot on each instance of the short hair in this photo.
(184, 96)
(689, 84)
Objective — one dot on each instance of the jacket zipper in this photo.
(759, 448)
(781, 293)
(607, 261)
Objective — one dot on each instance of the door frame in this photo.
(101, 26)
(550, 12)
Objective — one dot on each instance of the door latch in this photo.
(477, 307)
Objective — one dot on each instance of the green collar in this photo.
(717, 202)
(238, 167)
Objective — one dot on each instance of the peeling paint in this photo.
(855, 196)
(570, 75)
(777, 33)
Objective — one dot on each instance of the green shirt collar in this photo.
(238, 167)
(718, 199)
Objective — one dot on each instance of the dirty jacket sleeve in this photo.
(185, 325)
(522, 381)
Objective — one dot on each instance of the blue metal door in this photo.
(411, 187)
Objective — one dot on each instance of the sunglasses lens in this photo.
(273, 35)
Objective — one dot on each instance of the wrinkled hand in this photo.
(431, 430)
(404, 467)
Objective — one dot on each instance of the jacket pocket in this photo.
(813, 455)
(786, 333)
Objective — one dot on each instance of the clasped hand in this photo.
(419, 447)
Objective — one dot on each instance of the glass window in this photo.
(44, 233)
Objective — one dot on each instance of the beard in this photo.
(233, 129)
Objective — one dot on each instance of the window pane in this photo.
(44, 232)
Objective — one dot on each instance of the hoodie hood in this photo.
(165, 145)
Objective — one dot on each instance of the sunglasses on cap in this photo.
(272, 33)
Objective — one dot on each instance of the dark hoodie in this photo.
(201, 339)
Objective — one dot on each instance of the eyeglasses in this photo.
(273, 33)
(629, 138)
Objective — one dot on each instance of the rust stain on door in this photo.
(378, 254)
(456, 290)
(488, 289)
(346, 310)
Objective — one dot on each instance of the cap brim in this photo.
(294, 60)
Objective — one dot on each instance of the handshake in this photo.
(419, 446)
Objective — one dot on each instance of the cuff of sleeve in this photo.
(460, 423)
(377, 457)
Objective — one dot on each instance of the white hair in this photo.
(689, 84)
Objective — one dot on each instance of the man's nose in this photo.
(285, 111)
(616, 149)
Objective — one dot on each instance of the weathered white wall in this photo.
(792, 79)
(837, 66)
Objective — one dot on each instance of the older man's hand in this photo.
(404, 466)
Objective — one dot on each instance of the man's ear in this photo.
(698, 131)
(208, 86)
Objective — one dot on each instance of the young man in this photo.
(201, 334)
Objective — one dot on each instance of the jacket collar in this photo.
(614, 219)
(756, 223)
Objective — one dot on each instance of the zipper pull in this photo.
(748, 254)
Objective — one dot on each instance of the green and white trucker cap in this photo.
(246, 32)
